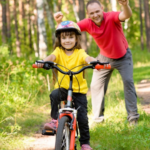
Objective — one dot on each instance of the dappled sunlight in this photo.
(141, 64)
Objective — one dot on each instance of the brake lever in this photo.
(39, 61)
(94, 63)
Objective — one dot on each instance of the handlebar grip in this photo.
(34, 66)
(107, 66)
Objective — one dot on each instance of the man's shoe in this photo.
(51, 125)
(133, 122)
(86, 147)
(100, 119)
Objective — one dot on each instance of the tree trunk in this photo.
(34, 28)
(4, 21)
(16, 29)
(106, 5)
(114, 5)
(141, 25)
(82, 16)
(59, 5)
(75, 11)
(23, 21)
(29, 25)
(50, 20)
(41, 29)
(147, 23)
(9, 29)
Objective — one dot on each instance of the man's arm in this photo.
(127, 12)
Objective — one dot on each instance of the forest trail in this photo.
(143, 92)
(43, 142)
(48, 142)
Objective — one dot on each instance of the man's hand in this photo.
(123, 2)
(58, 17)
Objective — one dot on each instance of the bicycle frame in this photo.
(71, 113)
(68, 110)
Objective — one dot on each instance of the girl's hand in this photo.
(58, 17)
(123, 2)
(39, 65)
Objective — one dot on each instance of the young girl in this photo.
(69, 54)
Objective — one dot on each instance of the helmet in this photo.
(67, 25)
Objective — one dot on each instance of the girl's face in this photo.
(68, 39)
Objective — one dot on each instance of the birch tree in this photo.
(113, 5)
(75, 11)
(29, 23)
(41, 29)
(16, 29)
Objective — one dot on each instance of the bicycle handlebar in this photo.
(94, 65)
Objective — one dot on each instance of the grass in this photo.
(113, 134)
(25, 125)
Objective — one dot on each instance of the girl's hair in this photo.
(66, 33)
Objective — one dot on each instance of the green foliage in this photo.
(141, 64)
(21, 89)
(24, 95)
(132, 30)
(120, 136)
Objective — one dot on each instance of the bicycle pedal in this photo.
(48, 132)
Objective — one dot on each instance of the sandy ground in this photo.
(143, 92)
(48, 142)
(43, 142)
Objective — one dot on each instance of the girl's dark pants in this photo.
(80, 100)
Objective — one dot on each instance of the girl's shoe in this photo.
(86, 147)
(51, 125)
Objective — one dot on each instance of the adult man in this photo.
(107, 32)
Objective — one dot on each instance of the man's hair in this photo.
(91, 2)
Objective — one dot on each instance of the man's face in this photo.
(95, 13)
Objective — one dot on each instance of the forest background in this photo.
(27, 31)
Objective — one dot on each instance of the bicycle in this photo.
(67, 128)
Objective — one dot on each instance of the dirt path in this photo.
(143, 92)
(43, 142)
(48, 142)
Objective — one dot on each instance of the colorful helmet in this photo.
(67, 25)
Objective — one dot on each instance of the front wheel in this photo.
(63, 134)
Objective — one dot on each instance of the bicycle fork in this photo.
(71, 113)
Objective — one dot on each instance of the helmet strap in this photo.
(69, 49)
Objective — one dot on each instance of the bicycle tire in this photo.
(63, 135)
